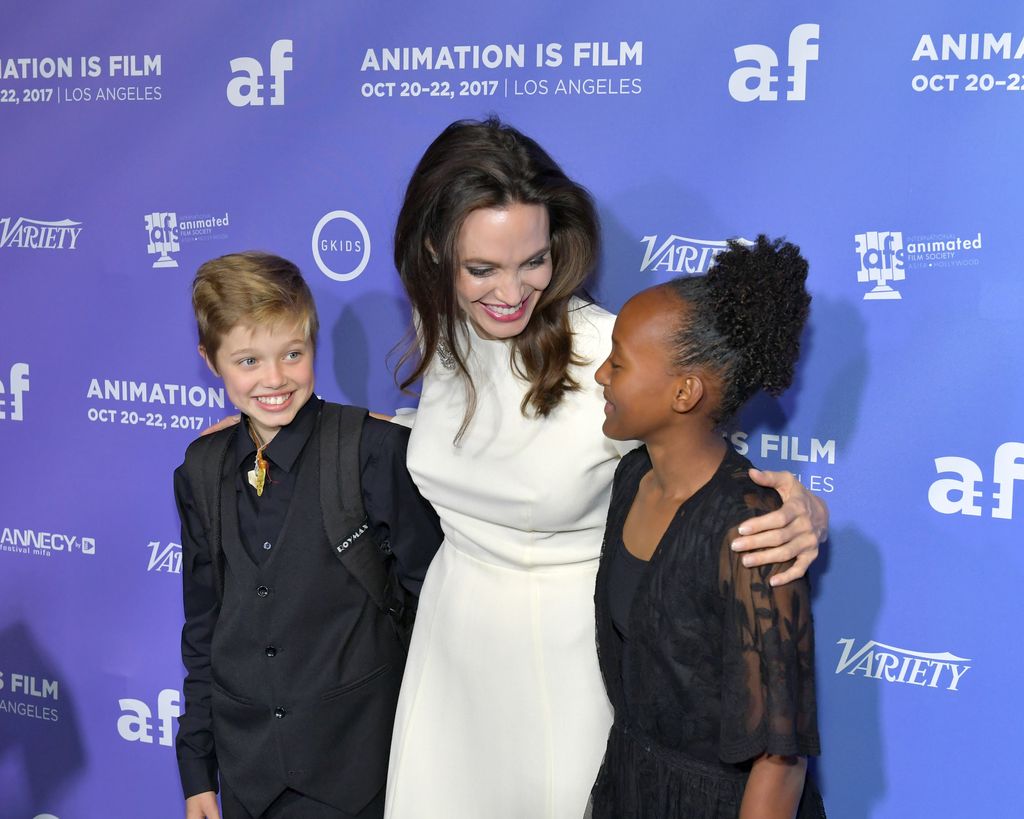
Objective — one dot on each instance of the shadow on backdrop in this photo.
(48, 752)
(373, 320)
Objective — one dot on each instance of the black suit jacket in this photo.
(292, 679)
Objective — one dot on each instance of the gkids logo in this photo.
(165, 558)
(136, 721)
(882, 261)
(901, 665)
(680, 254)
(952, 496)
(35, 234)
(247, 89)
(12, 401)
(757, 82)
(162, 228)
(346, 244)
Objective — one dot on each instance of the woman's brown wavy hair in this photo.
(488, 164)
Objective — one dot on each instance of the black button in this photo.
(385, 547)
(262, 591)
(267, 544)
(270, 651)
(279, 713)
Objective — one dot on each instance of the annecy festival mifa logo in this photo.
(12, 399)
(162, 228)
(881, 261)
(758, 82)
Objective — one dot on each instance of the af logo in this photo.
(757, 82)
(162, 228)
(12, 402)
(952, 496)
(247, 89)
(136, 721)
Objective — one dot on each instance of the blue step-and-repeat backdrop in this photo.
(884, 138)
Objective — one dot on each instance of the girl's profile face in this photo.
(638, 377)
(504, 264)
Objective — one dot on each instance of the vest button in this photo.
(270, 651)
(279, 713)
(266, 544)
(262, 591)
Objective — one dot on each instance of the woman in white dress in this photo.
(503, 714)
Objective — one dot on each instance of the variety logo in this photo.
(12, 401)
(136, 721)
(19, 694)
(164, 558)
(757, 82)
(248, 89)
(44, 544)
(953, 496)
(881, 261)
(341, 239)
(36, 234)
(900, 665)
(162, 228)
(680, 254)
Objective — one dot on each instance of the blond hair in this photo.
(251, 289)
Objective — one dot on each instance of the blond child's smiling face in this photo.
(267, 372)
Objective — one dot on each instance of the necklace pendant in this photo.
(258, 477)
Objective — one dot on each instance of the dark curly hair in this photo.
(488, 164)
(747, 315)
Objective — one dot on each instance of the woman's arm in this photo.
(791, 532)
(774, 787)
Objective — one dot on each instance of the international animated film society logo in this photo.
(341, 245)
(166, 233)
(12, 397)
(247, 86)
(959, 495)
(890, 664)
(37, 234)
(678, 255)
(884, 258)
(759, 81)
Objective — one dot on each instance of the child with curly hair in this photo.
(710, 669)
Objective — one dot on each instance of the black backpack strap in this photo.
(204, 465)
(341, 502)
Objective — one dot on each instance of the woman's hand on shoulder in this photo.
(791, 532)
(224, 423)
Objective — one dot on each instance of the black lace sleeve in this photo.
(768, 700)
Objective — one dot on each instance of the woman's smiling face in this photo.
(504, 258)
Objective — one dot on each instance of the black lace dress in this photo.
(717, 667)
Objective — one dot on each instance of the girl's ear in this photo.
(689, 390)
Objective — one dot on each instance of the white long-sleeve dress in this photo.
(503, 714)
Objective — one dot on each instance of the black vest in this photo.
(306, 669)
